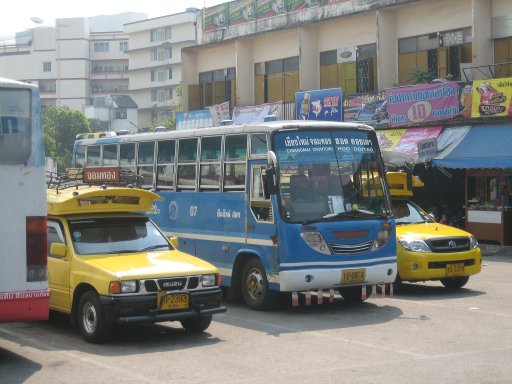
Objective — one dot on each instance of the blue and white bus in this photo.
(291, 206)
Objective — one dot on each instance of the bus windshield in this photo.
(326, 175)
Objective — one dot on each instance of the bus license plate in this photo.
(170, 301)
(353, 276)
(456, 269)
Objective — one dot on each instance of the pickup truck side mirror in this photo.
(59, 249)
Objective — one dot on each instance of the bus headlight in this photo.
(208, 280)
(473, 242)
(383, 236)
(316, 241)
(414, 245)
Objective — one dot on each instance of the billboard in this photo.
(492, 97)
(323, 104)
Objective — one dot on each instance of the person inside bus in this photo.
(300, 186)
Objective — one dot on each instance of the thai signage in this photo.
(422, 103)
(492, 98)
(194, 119)
(405, 140)
(219, 112)
(324, 104)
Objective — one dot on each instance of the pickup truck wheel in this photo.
(91, 319)
(196, 324)
(455, 282)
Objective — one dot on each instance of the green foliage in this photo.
(421, 76)
(60, 127)
(168, 122)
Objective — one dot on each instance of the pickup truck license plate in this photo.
(455, 269)
(170, 301)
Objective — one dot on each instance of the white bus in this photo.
(24, 293)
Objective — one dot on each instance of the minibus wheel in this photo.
(196, 324)
(255, 288)
(91, 319)
(455, 282)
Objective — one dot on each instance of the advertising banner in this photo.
(255, 113)
(270, 8)
(422, 103)
(216, 17)
(194, 119)
(242, 12)
(492, 97)
(219, 112)
(324, 104)
(406, 140)
(369, 108)
(298, 5)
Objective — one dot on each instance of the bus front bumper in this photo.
(314, 279)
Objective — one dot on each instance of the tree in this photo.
(421, 76)
(60, 127)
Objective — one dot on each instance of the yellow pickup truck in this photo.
(108, 263)
(427, 250)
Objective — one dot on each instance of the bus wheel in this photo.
(91, 320)
(455, 282)
(196, 324)
(255, 289)
(354, 294)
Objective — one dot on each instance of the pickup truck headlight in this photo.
(124, 286)
(414, 245)
(473, 242)
(208, 280)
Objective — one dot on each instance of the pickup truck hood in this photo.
(424, 231)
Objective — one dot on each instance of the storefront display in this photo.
(489, 204)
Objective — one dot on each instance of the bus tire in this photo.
(196, 324)
(354, 294)
(91, 319)
(255, 288)
(455, 282)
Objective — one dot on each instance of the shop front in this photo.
(485, 153)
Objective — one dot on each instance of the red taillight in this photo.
(37, 246)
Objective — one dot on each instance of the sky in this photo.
(18, 14)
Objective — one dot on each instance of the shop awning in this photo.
(485, 146)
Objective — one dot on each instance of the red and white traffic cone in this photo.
(374, 290)
(383, 290)
(331, 295)
(308, 299)
(363, 292)
(320, 296)
(295, 299)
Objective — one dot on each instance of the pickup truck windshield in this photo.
(116, 235)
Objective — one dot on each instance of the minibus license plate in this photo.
(456, 269)
(170, 301)
(353, 276)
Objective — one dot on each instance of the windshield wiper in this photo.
(153, 247)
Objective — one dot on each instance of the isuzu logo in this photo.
(171, 284)
(452, 244)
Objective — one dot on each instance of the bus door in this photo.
(261, 226)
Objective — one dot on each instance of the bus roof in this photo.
(99, 199)
(231, 129)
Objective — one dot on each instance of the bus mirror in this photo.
(271, 159)
(58, 249)
(270, 181)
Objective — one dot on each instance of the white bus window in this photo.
(187, 176)
(234, 176)
(146, 158)
(187, 167)
(209, 178)
(80, 157)
(127, 155)
(110, 155)
(187, 150)
(165, 164)
(258, 144)
(15, 128)
(93, 156)
(236, 147)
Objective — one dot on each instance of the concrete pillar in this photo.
(387, 49)
(483, 47)
(244, 73)
(189, 74)
(309, 58)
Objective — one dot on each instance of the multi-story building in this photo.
(155, 62)
(74, 62)
(255, 52)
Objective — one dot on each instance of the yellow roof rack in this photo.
(99, 199)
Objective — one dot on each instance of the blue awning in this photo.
(484, 146)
